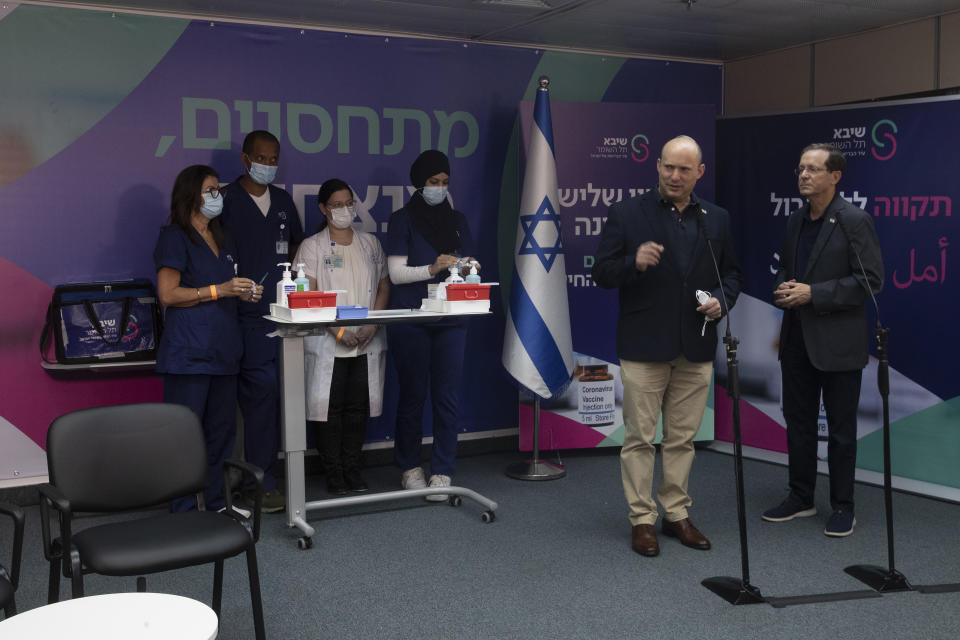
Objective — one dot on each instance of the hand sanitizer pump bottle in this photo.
(286, 284)
(302, 283)
(453, 278)
(474, 277)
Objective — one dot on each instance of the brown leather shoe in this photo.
(686, 533)
(643, 540)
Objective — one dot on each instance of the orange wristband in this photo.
(213, 292)
(339, 334)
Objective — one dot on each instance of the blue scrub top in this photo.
(204, 338)
(404, 240)
(256, 238)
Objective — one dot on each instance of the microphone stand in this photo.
(736, 590)
(882, 579)
(733, 590)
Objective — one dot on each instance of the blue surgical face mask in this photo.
(262, 173)
(434, 195)
(211, 207)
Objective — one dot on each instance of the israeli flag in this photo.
(537, 348)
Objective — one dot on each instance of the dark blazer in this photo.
(834, 323)
(658, 320)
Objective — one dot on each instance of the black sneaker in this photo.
(840, 524)
(336, 486)
(788, 510)
(355, 481)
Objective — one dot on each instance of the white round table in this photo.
(115, 616)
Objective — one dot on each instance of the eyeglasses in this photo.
(811, 170)
(213, 191)
(340, 205)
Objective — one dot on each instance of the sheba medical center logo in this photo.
(623, 147)
(852, 141)
(884, 149)
(640, 151)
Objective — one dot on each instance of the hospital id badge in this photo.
(333, 262)
(283, 247)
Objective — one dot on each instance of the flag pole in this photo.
(535, 468)
(538, 350)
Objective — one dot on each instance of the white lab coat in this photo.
(318, 351)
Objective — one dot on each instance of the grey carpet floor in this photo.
(557, 563)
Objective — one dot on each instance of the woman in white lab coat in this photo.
(344, 368)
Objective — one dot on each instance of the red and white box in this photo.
(307, 306)
(461, 298)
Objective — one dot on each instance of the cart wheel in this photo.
(305, 543)
(488, 516)
(454, 501)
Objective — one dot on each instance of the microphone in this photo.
(702, 227)
(863, 272)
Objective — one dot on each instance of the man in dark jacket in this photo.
(829, 259)
(654, 249)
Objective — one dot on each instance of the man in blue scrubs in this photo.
(263, 222)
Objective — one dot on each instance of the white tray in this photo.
(314, 314)
(455, 306)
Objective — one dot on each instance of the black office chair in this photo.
(114, 459)
(10, 578)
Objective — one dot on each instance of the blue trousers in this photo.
(258, 386)
(427, 355)
(214, 400)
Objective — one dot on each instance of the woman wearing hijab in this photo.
(199, 353)
(345, 365)
(424, 239)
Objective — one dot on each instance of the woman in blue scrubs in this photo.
(424, 239)
(200, 350)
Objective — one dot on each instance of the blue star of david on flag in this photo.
(529, 245)
(537, 345)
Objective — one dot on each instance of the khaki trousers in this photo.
(679, 390)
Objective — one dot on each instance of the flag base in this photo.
(536, 470)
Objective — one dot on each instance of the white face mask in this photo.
(434, 195)
(342, 217)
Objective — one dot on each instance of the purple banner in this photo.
(901, 170)
(94, 155)
(605, 153)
